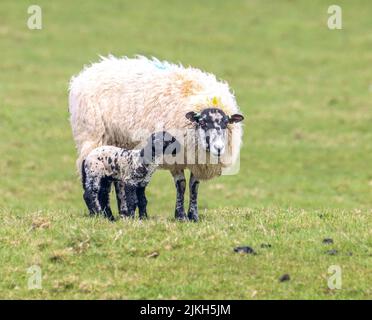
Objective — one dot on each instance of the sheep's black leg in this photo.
(193, 207)
(142, 202)
(104, 197)
(131, 197)
(120, 197)
(180, 183)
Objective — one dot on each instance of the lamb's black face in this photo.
(162, 143)
(165, 143)
(211, 125)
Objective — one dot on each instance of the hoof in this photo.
(180, 217)
(193, 216)
(111, 218)
(126, 215)
(108, 215)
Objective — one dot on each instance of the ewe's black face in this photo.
(211, 125)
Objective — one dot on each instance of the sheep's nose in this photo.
(218, 151)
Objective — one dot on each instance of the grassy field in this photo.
(305, 171)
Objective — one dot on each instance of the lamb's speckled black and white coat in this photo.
(134, 168)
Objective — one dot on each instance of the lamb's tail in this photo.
(84, 151)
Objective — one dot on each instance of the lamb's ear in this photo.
(193, 116)
(172, 146)
(236, 118)
(157, 140)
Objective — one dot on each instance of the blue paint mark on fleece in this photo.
(159, 64)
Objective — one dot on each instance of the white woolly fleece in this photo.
(114, 101)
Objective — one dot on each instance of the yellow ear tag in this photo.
(215, 101)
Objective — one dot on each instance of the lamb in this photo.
(133, 168)
(116, 101)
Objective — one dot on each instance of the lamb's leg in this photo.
(193, 207)
(142, 202)
(131, 197)
(120, 197)
(91, 200)
(91, 190)
(180, 183)
(91, 187)
(104, 198)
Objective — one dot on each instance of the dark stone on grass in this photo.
(327, 240)
(332, 252)
(265, 245)
(245, 249)
(284, 277)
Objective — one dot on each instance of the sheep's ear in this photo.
(193, 116)
(236, 118)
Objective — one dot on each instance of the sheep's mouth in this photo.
(217, 154)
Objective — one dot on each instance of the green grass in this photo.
(160, 258)
(305, 164)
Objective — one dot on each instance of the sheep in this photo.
(133, 168)
(113, 101)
